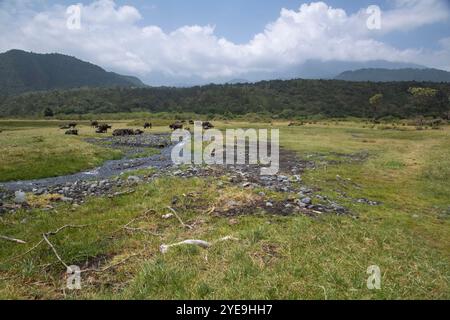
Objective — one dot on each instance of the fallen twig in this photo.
(12, 239)
(25, 253)
(45, 239)
(46, 235)
(52, 233)
(203, 244)
(179, 219)
(211, 210)
(128, 228)
(54, 250)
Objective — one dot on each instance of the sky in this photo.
(212, 40)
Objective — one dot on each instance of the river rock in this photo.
(20, 197)
(133, 179)
(306, 201)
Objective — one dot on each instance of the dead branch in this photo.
(203, 244)
(12, 239)
(54, 250)
(211, 210)
(128, 228)
(25, 253)
(53, 233)
(179, 219)
(46, 235)
(45, 239)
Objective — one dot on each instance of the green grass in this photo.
(44, 151)
(295, 257)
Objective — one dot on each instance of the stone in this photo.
(39, 192)
(306, 201)
(20, 197)
(305, 190)
(269, 204)
(133, 179)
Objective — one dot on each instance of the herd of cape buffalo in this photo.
(104, 127)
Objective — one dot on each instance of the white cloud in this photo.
(411, 14)
(112, 37)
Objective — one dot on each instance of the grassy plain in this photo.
(276, 257)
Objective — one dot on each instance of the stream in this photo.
(109, 168)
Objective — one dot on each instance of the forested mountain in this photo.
(278, 99)
(22, 71)
(388, 75)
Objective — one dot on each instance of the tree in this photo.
(430, 101)
(375, 102)
(48, 113)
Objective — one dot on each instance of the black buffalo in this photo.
(123, 132)
(72, 132)
(176, 126)
(207, 125)
(103, 128)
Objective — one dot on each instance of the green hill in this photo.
(22, 71)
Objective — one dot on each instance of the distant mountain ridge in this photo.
(388, 75)
(22, 71)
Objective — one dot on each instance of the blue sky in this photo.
(209, 40)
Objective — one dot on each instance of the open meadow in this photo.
(391, 184)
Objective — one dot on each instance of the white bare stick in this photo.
(54, 250)
(12, 239)
(25, 253)
(179, 219)
(52, 233)
(203, 244)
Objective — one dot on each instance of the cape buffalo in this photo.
(147, 125)
(72, 132)
(103, 128)
(123, 132)
(207, 125)
(176, 126)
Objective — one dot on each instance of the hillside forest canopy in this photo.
(275, 99)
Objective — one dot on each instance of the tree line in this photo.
(276, 99)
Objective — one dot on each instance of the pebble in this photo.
(133, 179)
(20, 197)
(306, 200)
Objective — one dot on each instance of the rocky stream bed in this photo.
(118, 177)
